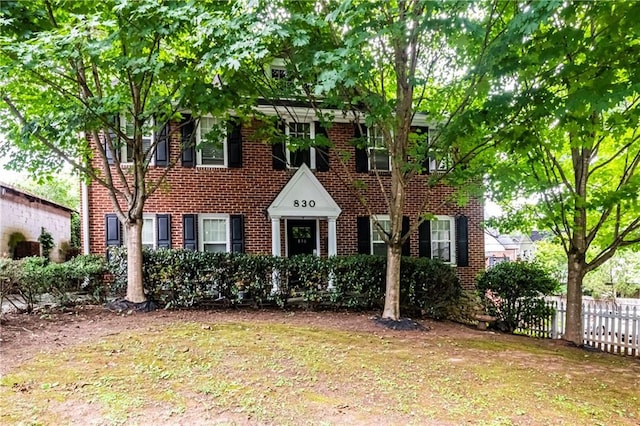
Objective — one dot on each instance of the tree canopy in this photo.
(574, 150)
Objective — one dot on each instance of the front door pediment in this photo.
(304, 196)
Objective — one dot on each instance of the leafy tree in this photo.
(381, 62)
(576, 147)
(68, 68)
(618, 277)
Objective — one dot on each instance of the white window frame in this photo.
(312, 136)
(278, 64)
(200, 138)
(372, 137)
(123, 149)
(154, 224)
(373, 230)
(208, 216)
(452, 237)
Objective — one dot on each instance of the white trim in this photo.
(452, 236)
(286, 233)
(199, 139)
(372, 228)
(304, 185)
(312, 136)
(371, 148)
(124, 148)
(204, 216)
(154, 224)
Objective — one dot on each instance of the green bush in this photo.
(513, 292)
(184, 278)
(32, 276)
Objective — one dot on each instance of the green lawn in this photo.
(268, 373)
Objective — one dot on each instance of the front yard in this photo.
(257, 367)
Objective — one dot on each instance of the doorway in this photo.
(301, 237)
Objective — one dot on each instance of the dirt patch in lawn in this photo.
(24, 335)
(92, 366)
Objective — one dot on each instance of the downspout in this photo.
(85, 217)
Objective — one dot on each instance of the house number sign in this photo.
(304, 203)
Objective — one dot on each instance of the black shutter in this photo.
(234, 144)
(362, 161)
(278, 148)
(112, 230)
(237, 233)
(364, 235)
(424, 239)
(406, 247)
(462, 241)
(322, 152)
(190, 231)
(112, 155)
(422, 131)
(187, 127)
(163, 225)
(162, 147)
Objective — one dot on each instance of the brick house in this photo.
(250, 196)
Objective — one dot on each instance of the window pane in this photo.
(212, 152)
(376, 235)
(214, 230)
(215, 248)
(379, 159)
(441, 250)
(148, 238)
(300, 156)
(380, 249)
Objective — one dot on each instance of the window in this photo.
(378, 246)
(300, 134)
(211, 152)
(128, 128)
(443, 239)
(377, 151)
(213, 233)
(278, 73)
(149, 232)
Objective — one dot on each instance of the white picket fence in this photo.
(608, 326)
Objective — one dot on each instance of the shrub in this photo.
(46, 243)
(32, 276)
(184, 278)
(513, 292)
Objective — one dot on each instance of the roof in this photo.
(10, 189)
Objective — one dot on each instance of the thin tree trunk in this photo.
(574, 330)
(392, 293)
(135, 286)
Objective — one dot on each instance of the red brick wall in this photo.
(251, 189)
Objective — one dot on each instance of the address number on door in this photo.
(304, 203)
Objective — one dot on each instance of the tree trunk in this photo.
(135, 285)
(574, 330)
(392, 293)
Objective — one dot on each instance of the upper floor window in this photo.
(279, 74)
(299, 134)
(127, 126)
(211, 140)
(377, 150)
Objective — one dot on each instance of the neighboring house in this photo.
(501, 248)
(249, 196)
(27, 214)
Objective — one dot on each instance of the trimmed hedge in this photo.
(185, 278)
(33, 276)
